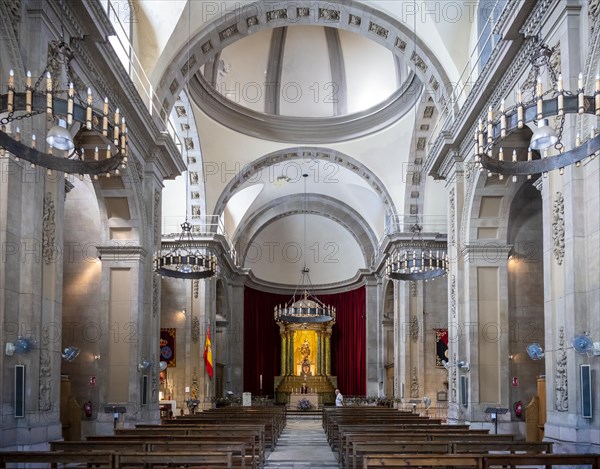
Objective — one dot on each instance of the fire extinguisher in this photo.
(518, 408)
(87, 408)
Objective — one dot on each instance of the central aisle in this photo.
(302, 445)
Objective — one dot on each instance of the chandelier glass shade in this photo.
(81, 140)
(415, 261)
(186, 259)
(556, 102)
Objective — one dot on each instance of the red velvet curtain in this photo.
(262, 343)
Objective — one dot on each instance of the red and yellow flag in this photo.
(208, 361)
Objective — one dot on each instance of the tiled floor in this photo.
(302, 445)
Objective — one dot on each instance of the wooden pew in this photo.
(237, 449)
(99, 459)
(252, 451)
(359, 450)
(147, 460)
(481, 461)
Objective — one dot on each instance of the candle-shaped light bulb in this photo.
(70, 95)
(28, 92)
(105, 118)
(18, 134)
(48, 94)
(529, 154)
(539, 87)
(519, 109)
(580, 81)
(33, 141)
(514, 156)
(108, 152)
(88, 111)
(577, 140)
(502, 120)
(561, 171)
(96, 153)
(501, 154)
(11, 90)
(559, 84)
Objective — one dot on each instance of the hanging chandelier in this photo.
(186, 259)
(555, 102)
(307, 307)
(81, 139)
(415, 261)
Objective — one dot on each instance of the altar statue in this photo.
(305, 350)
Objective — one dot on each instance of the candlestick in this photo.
(88, 113)
(561, 97)
(540, 101)
(28, 92)
(70, 104)
(11, 90)
(519, 109)
(105, 118)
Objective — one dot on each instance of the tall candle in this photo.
(70, 104)
(88, 114)
(28, 92)
(11, 90)
(48, 94)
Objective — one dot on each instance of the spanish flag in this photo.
(208, 362)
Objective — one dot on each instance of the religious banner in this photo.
(167, 345)
(441, 346)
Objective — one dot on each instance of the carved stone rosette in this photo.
(156, 217)
(414, 328)
(414, 383)
(195, 329)
(45, 380)
(558, 228)
(48, 229)
(562, 390)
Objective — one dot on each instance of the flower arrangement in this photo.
(304, 404)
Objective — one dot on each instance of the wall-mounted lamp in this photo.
(463, 365)
(21, 346)
(97, 356)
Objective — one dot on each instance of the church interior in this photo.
(218, 205)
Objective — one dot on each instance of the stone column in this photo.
(402, 371)
(373, 337)
(236, 365)
(328, 351)
(283, 350)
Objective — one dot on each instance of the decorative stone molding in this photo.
(196, 287)
(45, 379)
(195, 328)
(194, 390)
(471, 177)
(558, 228)
(413, 288)
(453, 381)
(155, 296)
(452, 218)
(453, 295)
(48, 229)
(562, 389)
(156, 217)
(414, 328)
(593, 15)
(414, 383)
(153, 385)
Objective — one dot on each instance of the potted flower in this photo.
(304, 404)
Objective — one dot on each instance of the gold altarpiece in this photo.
(305, 363)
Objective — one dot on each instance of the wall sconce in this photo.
(97, 356)
(463, 365)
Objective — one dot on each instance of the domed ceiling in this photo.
(306, 71)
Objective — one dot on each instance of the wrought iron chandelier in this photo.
(555, 102)
(415, 261)
(186, 259)
(81, 140)
(305, 308)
